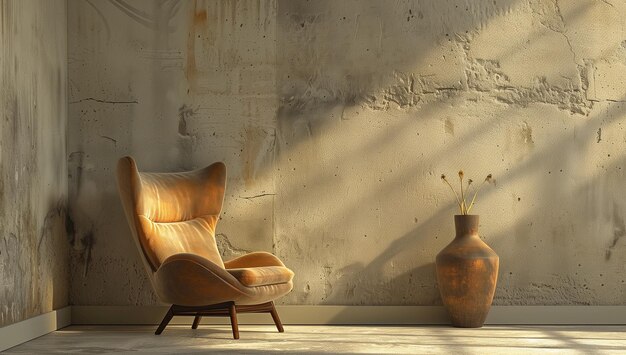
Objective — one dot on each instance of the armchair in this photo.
(173, 217)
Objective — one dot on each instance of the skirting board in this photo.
(15, 334)
(374, 315)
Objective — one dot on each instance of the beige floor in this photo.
(332, 339)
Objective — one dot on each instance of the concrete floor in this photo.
(332, 339)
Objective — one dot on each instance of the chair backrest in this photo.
(171, 213)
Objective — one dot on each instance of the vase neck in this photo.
(466, 225)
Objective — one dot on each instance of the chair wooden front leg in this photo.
(168, 317)
(221, 309)
(276, 319)
(196, 321)
(232, 310)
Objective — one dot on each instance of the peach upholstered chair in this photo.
(172, 217)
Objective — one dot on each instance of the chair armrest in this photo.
(256, 259)
(187, 279)
(262, 276)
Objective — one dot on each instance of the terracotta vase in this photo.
(467, 272)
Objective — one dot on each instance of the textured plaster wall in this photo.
(34, 257)
(336, 119)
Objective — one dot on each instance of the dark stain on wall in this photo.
(619, 231)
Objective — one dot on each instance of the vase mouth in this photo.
(466, 224)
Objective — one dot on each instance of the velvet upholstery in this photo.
(173, 217)
(262, 276)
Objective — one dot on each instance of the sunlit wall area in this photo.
(336, 120)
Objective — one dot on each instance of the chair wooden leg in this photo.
(221, 309)
(168, 317)
(232, 310)
(196, 321)
(276, 319)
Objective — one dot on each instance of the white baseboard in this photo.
(15, 334)
(18, 333)
(374, 315)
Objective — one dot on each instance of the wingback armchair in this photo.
(172, 217)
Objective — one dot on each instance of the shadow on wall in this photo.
(415, 284)
(309, 110)
(590, 200)
(335, 61)
(576, 255)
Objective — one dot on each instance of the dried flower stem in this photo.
(468, 192)
(463, 211)
(463, 206)
(487, 179)
(474, 198)
(443, 177)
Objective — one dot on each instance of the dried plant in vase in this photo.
(467, 268)
(463, 206)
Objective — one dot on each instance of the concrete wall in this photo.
(336, 119)
(34, 257)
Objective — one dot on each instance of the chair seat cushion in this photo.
(262, 276)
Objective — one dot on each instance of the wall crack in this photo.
(256, 196)
(113, 140)
(104, 101)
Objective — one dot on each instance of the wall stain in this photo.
(449, 126)
(526, 133)
(198, 19)
(185, 138)
(619, 231)
(257, 152)
(81, 241)
(184, 113)
(57, 214)
(75, 171)
(328, 284)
